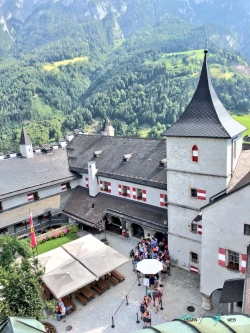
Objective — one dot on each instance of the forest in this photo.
(57, 78)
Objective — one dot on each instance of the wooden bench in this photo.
(103, 284)
(87, 293)
(81, 298)
(119, 276)
(98, 290)
(67, 302)
(46, 295)
(114, 281)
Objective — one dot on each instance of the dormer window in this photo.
(163, 162)
(195, 154)
(33, 196)
(126, 157)
(97, 153)
(105, 187)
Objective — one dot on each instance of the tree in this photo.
(20, 290)
(10, 247)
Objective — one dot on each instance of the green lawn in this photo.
(54, 243)
(244, 120)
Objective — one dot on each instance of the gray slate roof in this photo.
(79, 207)
(21, 175)
(205, 116)
(24, 140)
(142, 167)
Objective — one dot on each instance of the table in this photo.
(87, 293)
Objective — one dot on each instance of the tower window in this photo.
(193, 257)
(193, 192)
(1, 205)
(195, 154)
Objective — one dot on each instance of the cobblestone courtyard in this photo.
(181, 289)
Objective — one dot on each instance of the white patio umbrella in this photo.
(103, 261)
(83, 246)
(149, 266)
(54, 259)
(66, 279)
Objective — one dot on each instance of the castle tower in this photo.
(25, 145)
(107, 128)
(203, 148)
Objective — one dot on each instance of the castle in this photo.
(192, 187)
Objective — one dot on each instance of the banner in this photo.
(32, 233)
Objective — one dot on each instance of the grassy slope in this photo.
(54, 243)
(49, 67)
(244, 120)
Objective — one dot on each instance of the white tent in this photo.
(68, 279)
(54, 259)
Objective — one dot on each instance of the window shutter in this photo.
(243, 263)
(119, 189)
(162, 203)
(199, 229)
(109, 187)
(87, 182)
(128, 191)
(63, 187)
(194, 269)
(134, 192)
(101, 185)
(201, 194)
(195, 154)
(144, 195)
(222, 257)
(30, 197)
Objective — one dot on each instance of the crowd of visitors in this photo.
(151, 249)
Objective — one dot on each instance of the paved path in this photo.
(181, 289)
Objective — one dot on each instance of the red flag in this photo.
(32, 233)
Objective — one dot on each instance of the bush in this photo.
(65, 231)
(73, 228)
(55, 234)
(61, 234)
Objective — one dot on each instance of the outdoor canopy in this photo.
(67, 279)
(149, 266)
(83, 246)
(21, 325)
(103, 260)
(54, 259)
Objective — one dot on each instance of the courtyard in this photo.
(181, 290)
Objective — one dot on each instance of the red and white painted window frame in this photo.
(223, 259)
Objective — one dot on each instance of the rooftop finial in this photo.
(206, 50)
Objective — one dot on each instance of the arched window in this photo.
(195, 154)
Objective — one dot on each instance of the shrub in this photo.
(73, 228)
(44, 239)
(65, 231)
(55, 234)
(60, 234)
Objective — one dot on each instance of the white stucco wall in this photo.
(232, 161)
(42, 193)
(26, 150)
(152, 194)
(212, 153)
(180, 185)
(223, 226)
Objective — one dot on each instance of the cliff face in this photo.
(130, 15)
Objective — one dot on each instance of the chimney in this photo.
(93, 184)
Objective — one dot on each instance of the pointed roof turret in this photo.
(24, 140)
(205, 116)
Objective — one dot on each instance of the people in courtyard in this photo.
(61, 313)
(146, 318)
(143, 307)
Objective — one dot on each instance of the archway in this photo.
(138, 231)
(160, 236)
(113, 224)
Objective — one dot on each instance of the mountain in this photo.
(66, 64)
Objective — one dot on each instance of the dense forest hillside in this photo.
(68, 64)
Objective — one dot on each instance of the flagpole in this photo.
(32, 233)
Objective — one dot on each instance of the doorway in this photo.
(113, 224)
(138, 231)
